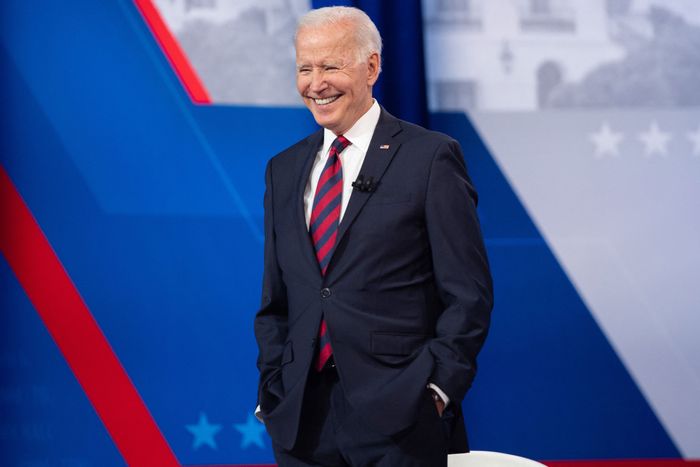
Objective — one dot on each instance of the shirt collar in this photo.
(360, 134)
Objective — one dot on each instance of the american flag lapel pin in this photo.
(384, 146)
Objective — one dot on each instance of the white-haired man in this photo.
(376, 290)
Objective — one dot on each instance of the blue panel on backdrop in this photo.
(102, 63)
(46, 418)
(174, 286)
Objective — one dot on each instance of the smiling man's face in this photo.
(335, 86)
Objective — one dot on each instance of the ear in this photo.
(373, 65)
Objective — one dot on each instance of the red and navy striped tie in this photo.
(323, 226)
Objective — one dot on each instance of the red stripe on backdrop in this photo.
(621, 463)
(625, 463)
(176, 56)
(77, 334)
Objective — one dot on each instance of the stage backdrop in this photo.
(134, 140)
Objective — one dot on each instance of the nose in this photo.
(318, 81)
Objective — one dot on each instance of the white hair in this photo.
(367, 37)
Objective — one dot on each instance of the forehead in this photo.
(329, 42)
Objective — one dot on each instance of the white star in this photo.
(655, 140)
(203, 432)
(606, 141)
(694, 137)
(252, 431)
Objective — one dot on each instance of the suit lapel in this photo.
(304, 164)
(379, 154)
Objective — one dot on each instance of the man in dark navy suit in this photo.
(376, 291)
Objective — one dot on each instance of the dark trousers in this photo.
(332, 434)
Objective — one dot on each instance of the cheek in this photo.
(302, 84)
(340, 84)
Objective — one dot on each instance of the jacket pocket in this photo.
(388, 198)
(287, 354)
(274, 384)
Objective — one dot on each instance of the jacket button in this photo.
(325, 292)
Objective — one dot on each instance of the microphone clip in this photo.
(364, 185)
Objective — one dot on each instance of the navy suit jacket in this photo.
(407, 295)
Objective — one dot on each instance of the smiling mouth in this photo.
(326, 100)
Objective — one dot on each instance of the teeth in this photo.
(325, 101)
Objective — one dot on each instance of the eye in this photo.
(331, 68)
(304, 70)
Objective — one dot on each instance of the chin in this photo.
(325, 121)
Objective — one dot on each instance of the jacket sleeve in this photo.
(271, 319)
(461, 270)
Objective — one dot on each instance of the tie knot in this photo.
(340, 143)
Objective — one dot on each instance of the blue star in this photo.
(252, 431)
(203, 432)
